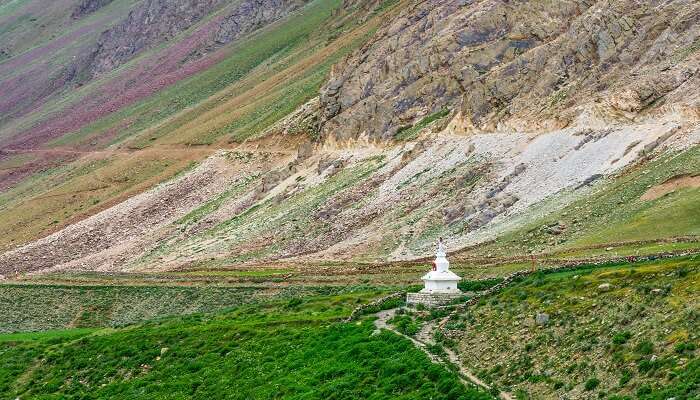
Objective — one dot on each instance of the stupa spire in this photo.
(440, 279)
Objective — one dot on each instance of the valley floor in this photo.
(613, 330)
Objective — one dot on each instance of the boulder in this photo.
(541, 319)
(305, 150)
(604, 287)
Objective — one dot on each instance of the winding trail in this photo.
(424, 339)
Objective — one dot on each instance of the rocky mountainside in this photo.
(158, 21)
(279, 131)
(88, 7)
(150, 23)
(163, 157)
(521, 66)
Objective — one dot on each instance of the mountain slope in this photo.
(361, 131)
(282, 61)
(636, 340)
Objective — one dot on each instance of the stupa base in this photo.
(431, 299)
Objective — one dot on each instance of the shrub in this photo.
(405, 324)
(294, 302)
(591, 384)
(646, 366)
(435, 314)
(644, 347)
(625, 377)
(644, 390)
(683, 347)
(621, 337)
(436, 349)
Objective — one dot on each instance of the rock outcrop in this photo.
(154, 21)
(158, 21)
(529, 65)
(88, 7)
(252, 14)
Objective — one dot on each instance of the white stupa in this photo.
(441, 279)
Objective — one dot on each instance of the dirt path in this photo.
(199, 150)
(424, 338)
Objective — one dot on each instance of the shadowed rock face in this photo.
(527, 64)
(154, 21)
(250, 15)
(87, 7)
(158, 21)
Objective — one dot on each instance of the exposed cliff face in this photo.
(250, 15)
(154, 21)
(530, 65)
(158, 21)
(87, 7)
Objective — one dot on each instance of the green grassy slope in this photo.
(290, 349)
(42, 307)
(638, 339)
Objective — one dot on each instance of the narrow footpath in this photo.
(423, 339)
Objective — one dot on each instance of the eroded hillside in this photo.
(370, 203)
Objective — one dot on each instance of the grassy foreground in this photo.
(292, 349)
(625, 331)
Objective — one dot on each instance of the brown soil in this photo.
(671, 185)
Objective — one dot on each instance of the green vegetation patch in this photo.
(283, 350)
(623, 330)
(410, 132)
(44, 307)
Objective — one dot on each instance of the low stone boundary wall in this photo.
(432, 299)
(360, 310)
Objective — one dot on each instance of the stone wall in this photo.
(377, 304)
(431, 299)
